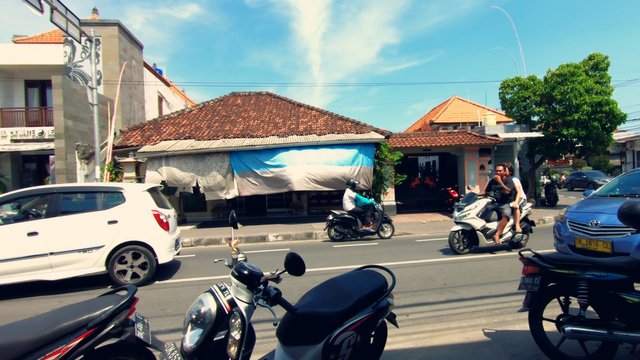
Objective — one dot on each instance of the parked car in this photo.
(53, 232)
(588, 179)
(591, 227)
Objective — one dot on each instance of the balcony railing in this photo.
(26, 117)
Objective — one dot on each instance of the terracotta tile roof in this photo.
(242, 115)
(456, 110)
(441, 138)
(54, 36)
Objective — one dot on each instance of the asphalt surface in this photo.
(308, 228)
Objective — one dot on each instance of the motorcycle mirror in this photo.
(233, 219)
(629, 214)
(294, 264)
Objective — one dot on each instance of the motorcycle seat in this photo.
(624, 265)
(19, 338)
(324, 308)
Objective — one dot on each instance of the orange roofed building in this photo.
(455, 144)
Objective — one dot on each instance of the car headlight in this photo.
(198, 321)
(236, 332)
(562, 216)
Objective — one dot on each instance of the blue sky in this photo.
(385, 63)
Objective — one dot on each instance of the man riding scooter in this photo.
(357, 205)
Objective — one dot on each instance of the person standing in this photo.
(356, 204)
(503, 189)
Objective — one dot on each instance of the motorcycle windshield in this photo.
(469, 198)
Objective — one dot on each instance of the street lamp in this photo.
(69, 23)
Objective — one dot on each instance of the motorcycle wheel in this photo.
(551, 202)
(554, 307)
(121, 351)
(336, 232)
(386, 230)
(460, 241)
(377, 342)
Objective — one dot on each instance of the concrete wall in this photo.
(155, 87)
(118, 46)
(73, 125)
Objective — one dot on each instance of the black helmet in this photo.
(352, 183)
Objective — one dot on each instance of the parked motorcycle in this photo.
(550, 194)
(341, 318)
(342, 225)
(450, 197)
(98, 328)
(476, 221)
(582, 307)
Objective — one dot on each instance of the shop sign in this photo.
(7, 135)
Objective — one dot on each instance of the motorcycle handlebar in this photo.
(275, 297)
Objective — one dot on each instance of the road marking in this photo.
(437, 239)
(349, 267)
(265, 251)
(183, 256)
(354, 245)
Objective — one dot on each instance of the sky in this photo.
(382, 62)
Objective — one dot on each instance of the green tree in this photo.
(571, 106)
(384, 173)
(602, 163)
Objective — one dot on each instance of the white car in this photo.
(54, 232)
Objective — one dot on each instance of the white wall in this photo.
(32, 54)
(153, 87)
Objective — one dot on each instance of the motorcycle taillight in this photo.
(528, 269)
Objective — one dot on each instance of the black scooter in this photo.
(342, 225)
(550, 194)
(98, 328)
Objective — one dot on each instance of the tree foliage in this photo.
(384, 173)
(572, 106)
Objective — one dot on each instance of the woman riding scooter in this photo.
(358, 205)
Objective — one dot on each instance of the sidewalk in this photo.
(284, 230)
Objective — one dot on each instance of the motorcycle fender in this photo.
(461, 226)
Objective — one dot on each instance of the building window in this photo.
(160, 105)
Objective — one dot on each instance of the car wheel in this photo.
(590, 186)
(569, 186)
(132, 265)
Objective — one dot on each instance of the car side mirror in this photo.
(588, 193)
(629, 214)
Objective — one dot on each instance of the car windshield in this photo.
(625, 185)
(596, 174)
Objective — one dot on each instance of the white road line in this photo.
(183, 256)
(437, 239)
(354, 245)
(349, 267)
(265, 251)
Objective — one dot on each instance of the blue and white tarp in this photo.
(306, 168)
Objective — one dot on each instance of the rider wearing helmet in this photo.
(356, 204)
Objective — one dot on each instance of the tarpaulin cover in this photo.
(211, 172)
(307, 168)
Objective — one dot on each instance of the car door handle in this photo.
(32, 233)
(112, 222)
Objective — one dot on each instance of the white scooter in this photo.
(341, 318)
(476, 221)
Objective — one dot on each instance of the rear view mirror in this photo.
(233, 219)
(294, 264)
(588, 193)
(629, 214)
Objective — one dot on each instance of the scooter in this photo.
(341, 318)
(582, 307)
(476, 221)
(98, 328)
(342, 225)
(550, 194)
(450, 198)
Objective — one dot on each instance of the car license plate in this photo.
(529, 283)
(142, 329)
(594, 245)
